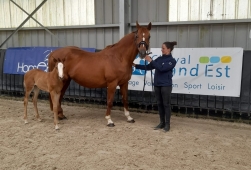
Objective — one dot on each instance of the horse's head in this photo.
(142, 39)
(59, 66)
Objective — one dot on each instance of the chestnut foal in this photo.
(51, 82)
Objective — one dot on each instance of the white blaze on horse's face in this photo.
(143, 39)
(60, 70)
(142, 36)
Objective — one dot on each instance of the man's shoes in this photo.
(167, 127)
(160, 126)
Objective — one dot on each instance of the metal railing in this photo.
(219, 107)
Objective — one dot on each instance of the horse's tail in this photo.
(51, 66)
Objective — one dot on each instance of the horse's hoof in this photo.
(131, 121)
(62, 118)
(25, 122)
(110, 125)
(56, 127)
(40, 120)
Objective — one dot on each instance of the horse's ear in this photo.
(54, 60)
(137, 25)
(149, 26)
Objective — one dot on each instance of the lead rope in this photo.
(145, 80)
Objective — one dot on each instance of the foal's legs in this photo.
(60, 110)
(28, 90)
(110, 96)
(55, 101)
(35, 96)
(123, 92)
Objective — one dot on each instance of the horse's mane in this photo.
(110, 46)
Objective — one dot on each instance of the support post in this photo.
(124, 17)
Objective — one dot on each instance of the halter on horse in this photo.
(108, 68)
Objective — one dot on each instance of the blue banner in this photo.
(19, 60)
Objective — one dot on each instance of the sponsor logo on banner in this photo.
(22, 67)
(203, 71)
(19, 60)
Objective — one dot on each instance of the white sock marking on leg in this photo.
(127, 114)
(108, 118)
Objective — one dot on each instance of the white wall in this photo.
(194, 10)
(52, 13)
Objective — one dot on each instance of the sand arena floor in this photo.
(85, 142)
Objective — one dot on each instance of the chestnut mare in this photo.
(109, 68)
(51, 82)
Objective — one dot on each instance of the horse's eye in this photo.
(149, 37)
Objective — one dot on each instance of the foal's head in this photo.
(59, 66)
(142, 39)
